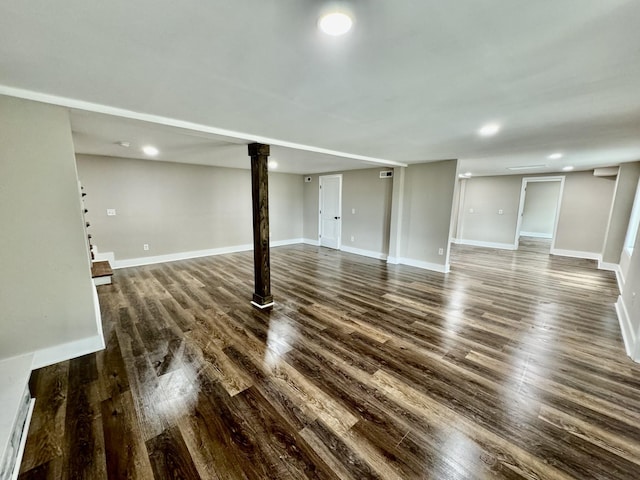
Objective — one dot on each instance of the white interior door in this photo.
(330, 210)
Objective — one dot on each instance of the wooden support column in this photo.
(259, 154)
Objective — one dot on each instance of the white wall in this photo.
(47, 296)
(177, 208)
(628, 305)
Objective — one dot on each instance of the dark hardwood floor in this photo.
(511, 366)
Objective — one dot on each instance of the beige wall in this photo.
(483, 198)
(541, 203)
(584, 212)
(311, 208)
(583, 217)
(370, 196)
(175, 207)
(625, 191)
(427, 206)
(47, 295)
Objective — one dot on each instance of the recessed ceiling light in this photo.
(555, 156)
(124, 144)
(272, 164)
(568, 168)
(489, 129)
(335, 24)
(150, 150)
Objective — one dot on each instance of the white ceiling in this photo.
(412, 82)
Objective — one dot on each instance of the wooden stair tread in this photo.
(101, 269)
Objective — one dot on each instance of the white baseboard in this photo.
(23, 440)
(434, 267)
(613, 267)
(67, 351)
(309, 241)
(77, 348)
(106, 280)
(282, 243)
(628, 335)
(101, 257)
(173, 257)
(364, 253)
(576, 254)
(536, 235)
(478, 243)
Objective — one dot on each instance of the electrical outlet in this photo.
(111, 212)
(353, 211)
(145, 246)
(441, 251)
(500, 212)
(353, 239)
(471, 210)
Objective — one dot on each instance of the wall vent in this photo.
(386, 174)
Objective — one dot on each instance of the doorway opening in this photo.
(539, 210)
(330, 217)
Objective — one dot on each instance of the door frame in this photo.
(339, 177)
(523, 193)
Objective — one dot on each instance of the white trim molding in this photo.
(613, 267)
(172, 122)
(478, 243)
(364, 253)
(628, 335)
(104, 256)
(67, 351)
(282, 243)
(310, 241)
(576, 254)
(434, 267)
(76, 348)
(173, 257)
(536, 235)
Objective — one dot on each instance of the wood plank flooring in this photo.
(511, 366)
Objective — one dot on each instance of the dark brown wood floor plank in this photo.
(126, 452)
(170, 458)
(46, 433)
(511, 367)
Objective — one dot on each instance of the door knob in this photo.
(337, 218)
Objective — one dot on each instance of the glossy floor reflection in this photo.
(511, 366)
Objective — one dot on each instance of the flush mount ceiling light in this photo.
(150, 150)
(526, 167)
(489, 129)
(335, 23)
(555, 156)
(568, 168)
(272, 165)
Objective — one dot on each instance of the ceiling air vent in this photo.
(386, 174)
(606, 172)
